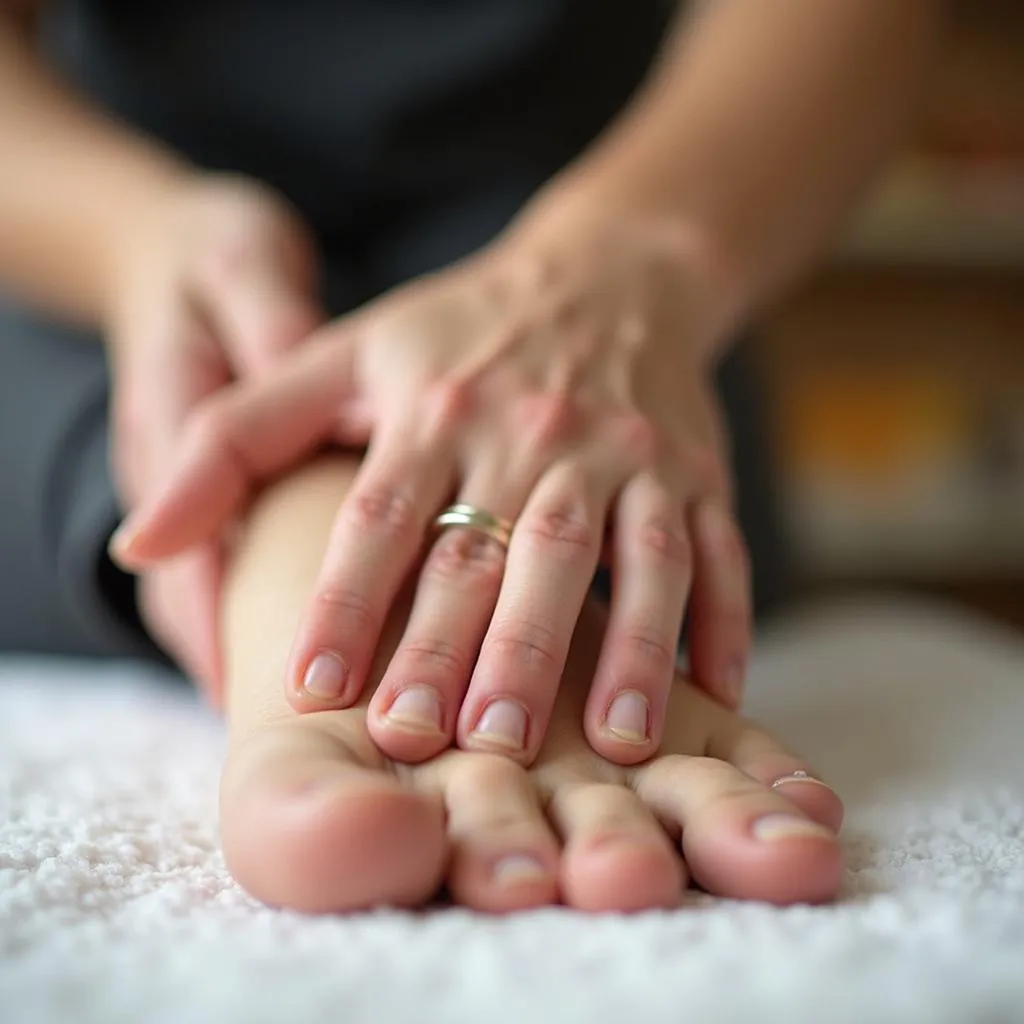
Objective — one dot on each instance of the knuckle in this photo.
(546, 419)
(528, 644)
(641, 437)
(666, 538)
(651, 646)
(565, 527)
(466, 556)
(332, 602)
(383, 509)
(437, 653)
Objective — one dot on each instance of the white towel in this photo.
(115, 905)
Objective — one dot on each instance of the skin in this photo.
(315, 818)
(218, 283)
(627, 274)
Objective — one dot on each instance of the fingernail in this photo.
(799, 776)
(325, 677)
(519, 867)
(502, 724)
(629, 716)
(417, 708)
(774, 827)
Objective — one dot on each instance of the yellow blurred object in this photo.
(872, 428)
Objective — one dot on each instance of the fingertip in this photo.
(321, 682)
(625, 729)
(119, 546)
(126, 546)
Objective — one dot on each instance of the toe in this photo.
(739, 838)
(504, 855)
(306, 824)
(616, 856)
(762, 757)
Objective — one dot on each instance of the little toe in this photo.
(616, 857)
(307, 824)
(504, 855)
(739, 838)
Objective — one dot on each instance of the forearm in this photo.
(71, 182)
(758, 130)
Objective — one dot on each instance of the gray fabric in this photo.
(58, 592)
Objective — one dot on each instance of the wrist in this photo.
(146, 188)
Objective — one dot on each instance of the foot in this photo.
(316, 819)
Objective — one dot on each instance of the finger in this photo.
(551, 562)
(376, 539)
(504, 854)
(651, 579)
(261, 305)
(179, 605)
(165, 361)
(739, 838)
(720, 608)
(201, 580)
(616, 856)
(413, 713)
(764, 758)
(235, 441)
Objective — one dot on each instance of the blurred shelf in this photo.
(942, 212)
(941, 539)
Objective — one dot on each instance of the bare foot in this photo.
(315, 818)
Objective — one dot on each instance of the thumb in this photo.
(237, 440)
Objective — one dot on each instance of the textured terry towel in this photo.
(115, 906)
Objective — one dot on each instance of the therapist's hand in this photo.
(215, 282)
(560, 380)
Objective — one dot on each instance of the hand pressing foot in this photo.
(315, 818)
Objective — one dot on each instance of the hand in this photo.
(560, 380)
(215, 283)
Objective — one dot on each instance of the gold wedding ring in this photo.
(499, 530)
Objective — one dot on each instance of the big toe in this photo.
(305, 826)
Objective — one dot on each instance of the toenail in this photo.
(325, 677)
(503, 724)
(519, 867)
(416, 707)
(628, 717)
(773, 827)
(799, 776)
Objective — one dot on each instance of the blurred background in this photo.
(897, 374)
